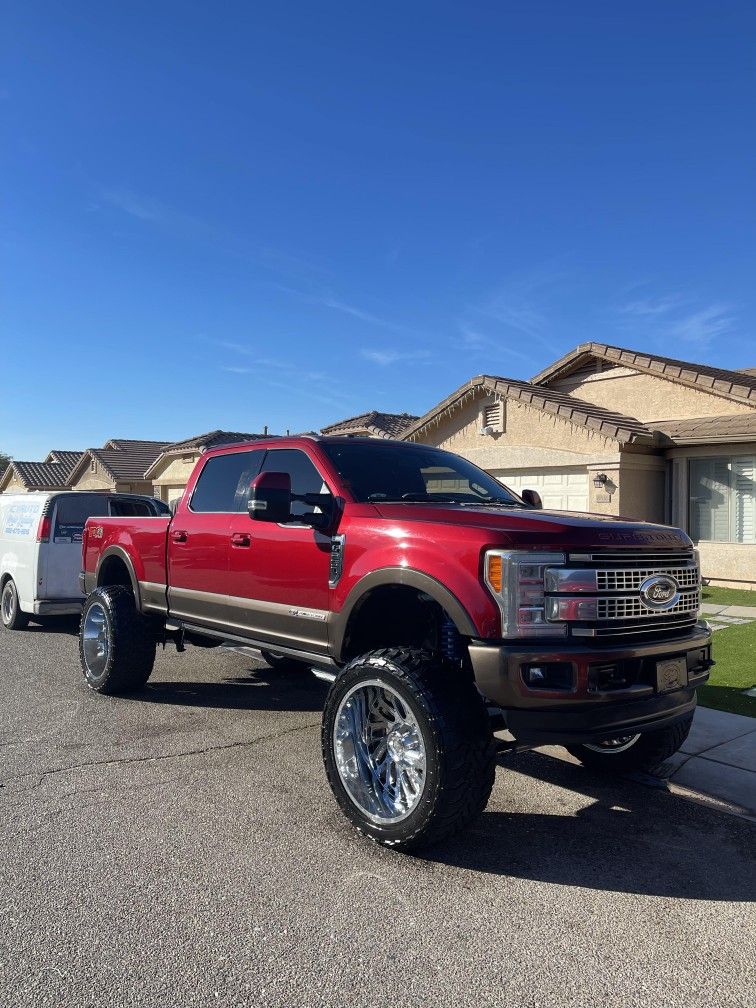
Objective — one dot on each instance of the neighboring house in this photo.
(170, 471)
(621, 432)
(119, 465)
(52, 474)
(373, 424)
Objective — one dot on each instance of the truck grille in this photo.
(630, 579)
(633, 608)
(599, 594)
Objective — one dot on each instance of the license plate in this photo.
(671, 674)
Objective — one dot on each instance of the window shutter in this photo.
(493, 415)
(744, 503)
(710, 499)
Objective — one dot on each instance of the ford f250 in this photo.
(453, 618)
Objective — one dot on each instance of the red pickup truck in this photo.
(453, 618)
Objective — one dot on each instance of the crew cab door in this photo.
(199, 539)
(278, 576)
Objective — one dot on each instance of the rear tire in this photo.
(11, 613)
(116, 642)
(643, 755)
(407, 747)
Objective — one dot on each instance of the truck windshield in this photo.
(380, 472)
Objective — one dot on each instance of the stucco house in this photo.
(169, 472)
(119, 465)
(372, 424)
(621, 432)
(51, 474)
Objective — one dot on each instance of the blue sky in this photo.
(230, 215)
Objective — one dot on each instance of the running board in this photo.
(324, 675)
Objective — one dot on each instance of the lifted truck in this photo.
(442, 607)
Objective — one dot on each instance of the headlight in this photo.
(516, 580)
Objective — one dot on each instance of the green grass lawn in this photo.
(728, 596)
(734, 651)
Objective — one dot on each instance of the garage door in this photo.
(560, 489)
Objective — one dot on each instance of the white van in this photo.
(40, 548)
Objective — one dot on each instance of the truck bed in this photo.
(139, 542)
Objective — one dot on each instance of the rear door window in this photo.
(71, 513)
(125, 508)
(223, 484)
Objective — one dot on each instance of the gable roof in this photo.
(128, 461)
(66, 458)
(385, 425)
(126, 444)
(202, 442)
(735, 385)
(38, 475)
(213, 438)
(616, 426)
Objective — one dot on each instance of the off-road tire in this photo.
(644, 756)
(13, 617)
(280, 662)
(459, 745)
(131, 640)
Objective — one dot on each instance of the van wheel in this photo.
(116, 642)
(10, 609)
(633, 753)
(407, 747)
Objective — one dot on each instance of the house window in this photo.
(492, 417)
(723, 499)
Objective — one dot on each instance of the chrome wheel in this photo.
(8, 603)
(96, 640)
(379, 752)
(613, 745)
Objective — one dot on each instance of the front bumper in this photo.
(590, 711)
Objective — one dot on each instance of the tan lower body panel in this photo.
(273, 622)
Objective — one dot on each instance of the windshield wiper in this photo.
(410, 498)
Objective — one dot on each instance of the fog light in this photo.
(549, 675)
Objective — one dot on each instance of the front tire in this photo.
(634, 753)
(11, 613)
(116, 642)
(407, 747)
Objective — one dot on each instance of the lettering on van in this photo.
(21, 518)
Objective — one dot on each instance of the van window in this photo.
(72, 512)
(223, 484)
(125, 508)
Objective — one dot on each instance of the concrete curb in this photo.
(718, 759)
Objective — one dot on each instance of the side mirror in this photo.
(532, 498)
(270, 497)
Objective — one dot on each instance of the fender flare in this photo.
(118, 551)
(387, 576)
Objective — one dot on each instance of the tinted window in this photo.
(223, 484)
(305, 478)
(125, 508)
(72, 512)
(392, 472)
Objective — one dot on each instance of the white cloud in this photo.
(704, 325)
(386, 356)
(650, 307)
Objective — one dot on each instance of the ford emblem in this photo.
(660, 592)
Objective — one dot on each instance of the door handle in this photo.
(179, 536)
(240, 539)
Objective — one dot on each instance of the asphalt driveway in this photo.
(181, 847)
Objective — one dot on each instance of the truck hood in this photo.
(531, 527)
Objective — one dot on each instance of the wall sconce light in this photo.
(601, 480)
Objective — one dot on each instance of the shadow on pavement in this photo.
(631, 839)
(262, 690)
(54, 624)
